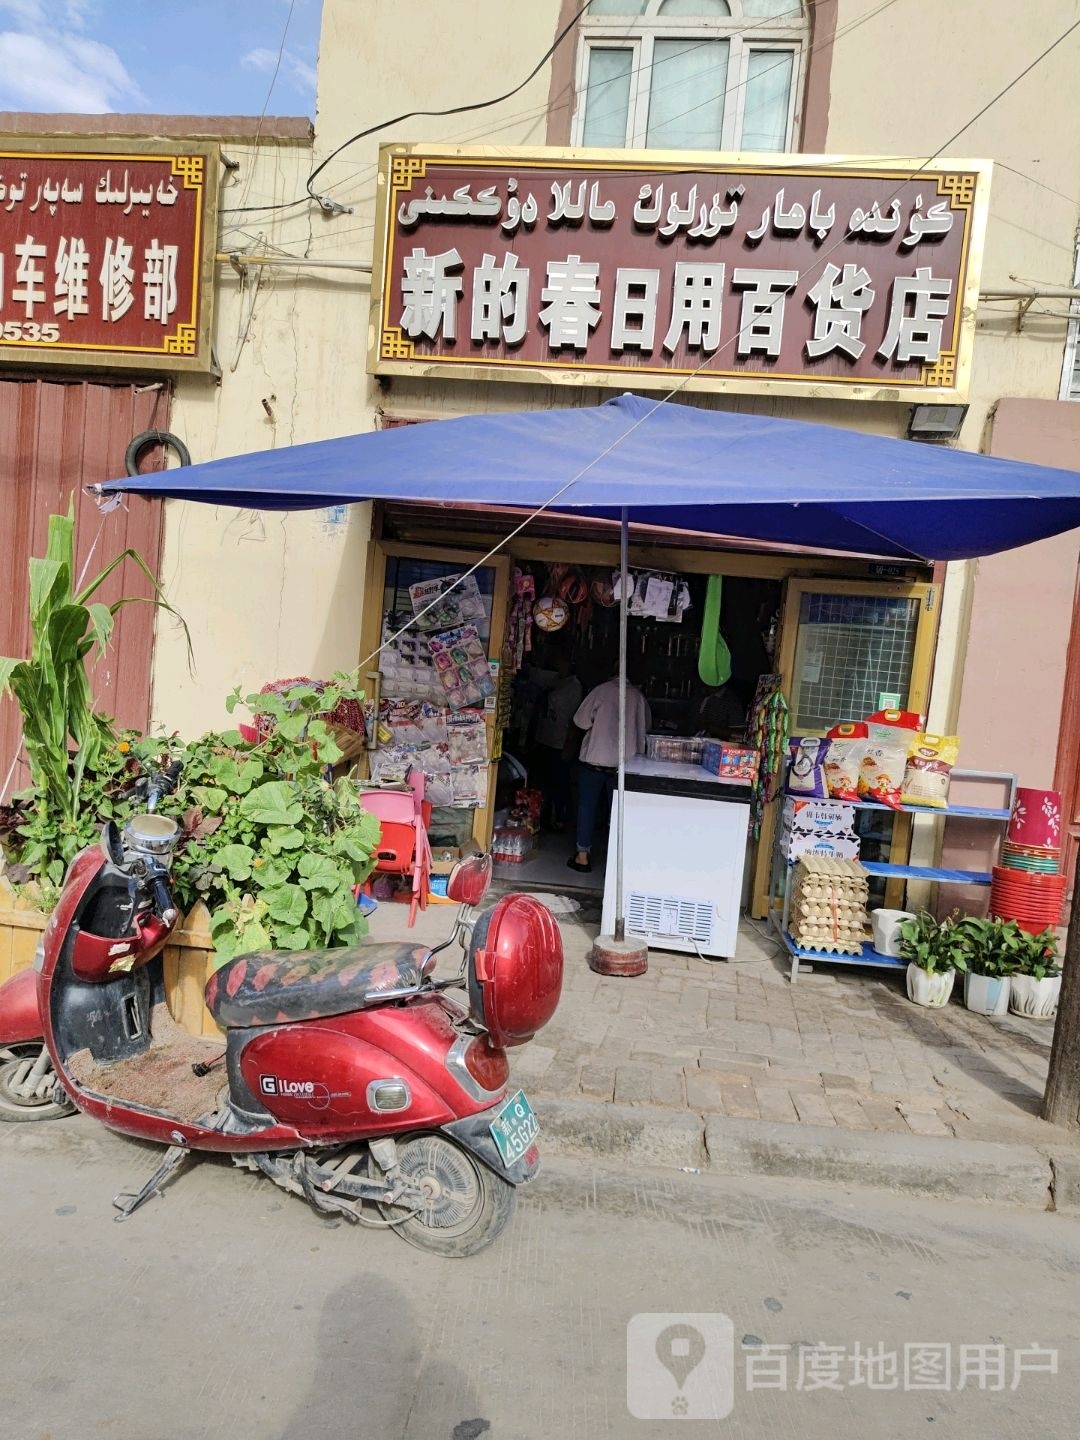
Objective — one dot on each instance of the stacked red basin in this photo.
(1028, 886)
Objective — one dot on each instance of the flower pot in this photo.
(930, 990)
(189, 963)
(21, 927)
(885, 925)
(987, 994)
(1037, 999)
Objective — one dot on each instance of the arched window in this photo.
(690, 74)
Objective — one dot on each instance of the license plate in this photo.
(514, 1128)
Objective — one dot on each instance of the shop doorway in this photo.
(573, 650)
(839, 633)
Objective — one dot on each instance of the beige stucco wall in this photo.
(956, 57)
(265, 595)
(275, 595)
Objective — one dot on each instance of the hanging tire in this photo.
(134, 452)
(468, 1206)
(16, 1062)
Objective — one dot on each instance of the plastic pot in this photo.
(886, 927)
(933, 991)
(987, 994)
(1037, 999)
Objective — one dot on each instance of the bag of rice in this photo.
(881, 771)
(806, 774)
(842, 768)
(895, 720)
(929, 767)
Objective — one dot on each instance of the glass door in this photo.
(848, 648)
(394, 569)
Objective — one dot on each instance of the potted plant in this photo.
(934, 953)
(992, 947)
(77, 760)
(1036, 984)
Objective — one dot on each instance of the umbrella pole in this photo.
(620, 809)
(615, 954)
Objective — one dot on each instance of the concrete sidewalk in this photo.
(842, 1052)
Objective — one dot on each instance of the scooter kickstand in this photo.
(127, 1203)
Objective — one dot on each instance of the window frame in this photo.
(638, 34)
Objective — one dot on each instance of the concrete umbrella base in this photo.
(618, 957)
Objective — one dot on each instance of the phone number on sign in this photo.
(30, 330)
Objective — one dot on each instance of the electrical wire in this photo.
(368, 172)
(427, 114)
(370, 169)
(266, 102)
(685, 380)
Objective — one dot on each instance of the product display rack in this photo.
(779, 909)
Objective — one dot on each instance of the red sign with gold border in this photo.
(107, 252)
(807, 274)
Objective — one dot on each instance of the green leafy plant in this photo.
(933, 945)
(271, 846)
(75, 755)
(993, 947)
(39, 841)
(1037, 955)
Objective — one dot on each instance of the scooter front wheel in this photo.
(29, 1089)
(466, 1205)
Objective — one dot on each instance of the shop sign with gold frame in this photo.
(799, 274)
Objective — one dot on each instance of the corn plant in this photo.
(63, 734)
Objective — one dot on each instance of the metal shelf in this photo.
(926, 872)
(869, 956)
(952, 812)
(782, 867)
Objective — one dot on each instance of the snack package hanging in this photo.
(468, 738)
(929, 769)
(881, 771)
(462, 666)
(806, 774)
(846, 745)
(453, 600)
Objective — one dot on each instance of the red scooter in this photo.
(349, 1077)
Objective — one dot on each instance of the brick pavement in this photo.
(839, 1048)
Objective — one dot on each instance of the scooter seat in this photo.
(276, 986)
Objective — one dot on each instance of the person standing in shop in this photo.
(720, 714)
(598, 716)
(555, 745)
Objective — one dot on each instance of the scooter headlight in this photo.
(151, 834)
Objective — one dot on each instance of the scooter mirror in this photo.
(469, 880)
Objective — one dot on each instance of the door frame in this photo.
(918, 698)
(379, 551)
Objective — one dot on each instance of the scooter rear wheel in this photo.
(467, 1205)
(16, 1062)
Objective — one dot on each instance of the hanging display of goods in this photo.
(550, 613)
(1036, 818)
(602, 592)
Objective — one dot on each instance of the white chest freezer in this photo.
(685, 838)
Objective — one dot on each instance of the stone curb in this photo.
(915, 1165)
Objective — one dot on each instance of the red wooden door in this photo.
(1067, 770)
(55, 438)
